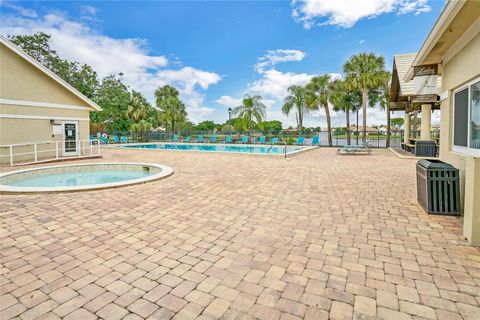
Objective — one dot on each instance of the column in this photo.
(471, 217)
(426, 122)
(406, 126)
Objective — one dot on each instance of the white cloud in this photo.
(361, 41)
(24, 12)
(274, 83)
(274, 57)
(142, 71)
(89, 10)
(346, 13)
(229, 101)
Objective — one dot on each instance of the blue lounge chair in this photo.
(116, 139)
(213, 138)
(244, 139)
(355, 148)
(200, 138)
(187, 139)
(124, 139)
(315, 141)
(228, 139)
(104, 140)
(274, 140)
(262, 140)
(300, 141)
(175, 138)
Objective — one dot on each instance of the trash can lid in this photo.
(434, 164)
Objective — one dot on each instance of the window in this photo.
(475, 116)
(460, 126)
(466, 119)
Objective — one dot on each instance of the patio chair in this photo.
(300, 141)
(262, 140)
(175, 138)
(187, 139)
(274, 140)
(315, 141)
(104, 139)
(124, 139)
(354, 149)
(213, 138)
(200, 138)
(116, 139)
(228, 139)
(244, 140)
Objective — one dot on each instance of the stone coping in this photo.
(160, 171)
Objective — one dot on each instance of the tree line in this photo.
(365, 83)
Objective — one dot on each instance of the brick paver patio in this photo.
(316, 236)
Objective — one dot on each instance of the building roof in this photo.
(458, 22)
(49, 73)
(401, 64)
(402, 88)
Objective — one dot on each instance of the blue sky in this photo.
(214, 52)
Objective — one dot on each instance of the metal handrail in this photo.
(59, 146)
(285, 147)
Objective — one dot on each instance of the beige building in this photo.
(453, 49)
(37, 106)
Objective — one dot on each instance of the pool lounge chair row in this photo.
(116, 139)
(213, 139)
(244, 140)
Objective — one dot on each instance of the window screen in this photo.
(460, 133)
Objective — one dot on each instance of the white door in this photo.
(70, 138)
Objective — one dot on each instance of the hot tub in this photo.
(81, 177)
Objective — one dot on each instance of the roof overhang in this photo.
(52, 75)
(455, 19)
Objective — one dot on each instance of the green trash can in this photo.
(438, 187)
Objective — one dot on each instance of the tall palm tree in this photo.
(296, 100)
(318, 92)
(172, 111)
(250, 109)
(171, 108)
(165, 92)
(344, 98)
(365, 71)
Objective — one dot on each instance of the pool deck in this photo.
(315, 236)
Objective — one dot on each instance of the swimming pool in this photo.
(250, 149)
(81, 177)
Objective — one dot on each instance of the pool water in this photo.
(217, 148)
(79, 178)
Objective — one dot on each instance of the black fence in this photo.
(377, 138)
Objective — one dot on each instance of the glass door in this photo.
(70, 138)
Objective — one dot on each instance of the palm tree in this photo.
(142, 126)
(383, 99)
(318, 92)
(344, 98)
(165, 92)
(250, 109)
(137, 108)
(296, 100)
(365, 71)
(171, 109)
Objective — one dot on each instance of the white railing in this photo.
(41, 151)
